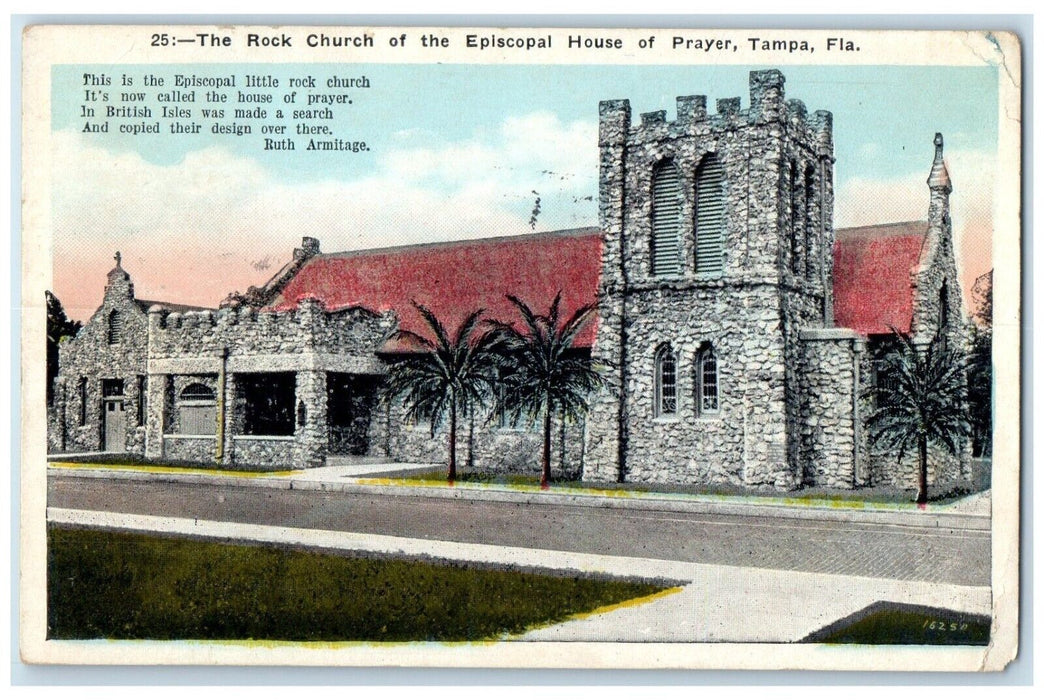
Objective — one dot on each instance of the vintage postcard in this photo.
(520, 347)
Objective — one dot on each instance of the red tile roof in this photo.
(872, 282)
(453, 279)
(872, 288)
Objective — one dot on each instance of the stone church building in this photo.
(740, 329)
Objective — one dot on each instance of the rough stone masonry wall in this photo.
(883, 466)
(263, 451)
(268, 341)
(936, 267)
(90, 355)
(606, 436)
(886, 469)
(482, 446)
(744, 442)
(198, 450)
(799, 312)
(245, 332)
(311, 431)
(805, 256)
(831, 435)
(740, 312)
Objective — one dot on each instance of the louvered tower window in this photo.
(115, 327)
(710, 217)
(666, 220)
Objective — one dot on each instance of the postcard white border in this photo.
(953, 48)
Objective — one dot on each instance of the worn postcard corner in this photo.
(520, 347)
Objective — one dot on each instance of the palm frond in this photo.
(924, 400)
(441, 337)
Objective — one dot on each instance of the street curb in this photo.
(643, 502)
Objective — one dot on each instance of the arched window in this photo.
(666, 383)
(795, 222)
(666, 220)
(707, 373)
(944, 317)
(115, 326)
(197, 392)
(197, 410)
(710, 217)
(810, 224)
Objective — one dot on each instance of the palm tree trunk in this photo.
(545, 464)
(453, 443)
(922, 470)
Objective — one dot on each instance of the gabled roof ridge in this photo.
(532, 236)
(173, 306)
(882, 228)
(455, 277)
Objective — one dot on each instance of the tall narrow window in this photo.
(710, 217)
(810, 223)
(884, 376)
(707, 371)
(795, 222)
(115, 327)
(83, 400)
(666, 383)
(141, 399)
(666, 220)
(944, 306)
(944, 317)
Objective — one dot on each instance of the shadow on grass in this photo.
(125, 586)
(900, 623)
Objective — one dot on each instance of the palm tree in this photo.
(451, 375)
(923, 402)
(543, 375)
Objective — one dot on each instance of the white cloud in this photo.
(214, 214)
(862, 201)
(192, 232)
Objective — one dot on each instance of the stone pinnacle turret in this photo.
(939, 178)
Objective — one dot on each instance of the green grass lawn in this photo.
(901, 623)
(124, 586)
(812, 495)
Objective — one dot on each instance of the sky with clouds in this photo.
(462, 152)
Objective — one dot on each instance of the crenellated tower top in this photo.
(768, 103)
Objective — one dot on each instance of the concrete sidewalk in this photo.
(713, 603)
(971, 513)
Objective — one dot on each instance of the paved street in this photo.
(713, 603)
(853, 549)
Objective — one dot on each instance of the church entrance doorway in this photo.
(115, 426)
(350, 401)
